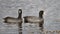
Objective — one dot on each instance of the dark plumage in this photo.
(34, 19)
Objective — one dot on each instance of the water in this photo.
(30, 8)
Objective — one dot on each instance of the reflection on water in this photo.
(30, 7)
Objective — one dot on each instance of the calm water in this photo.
(30, 7)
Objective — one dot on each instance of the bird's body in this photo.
(33, 19)
(11, 20)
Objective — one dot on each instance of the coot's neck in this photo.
(40, 16)
(19, 16)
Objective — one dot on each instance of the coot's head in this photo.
(41, 14)
(20, 11)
